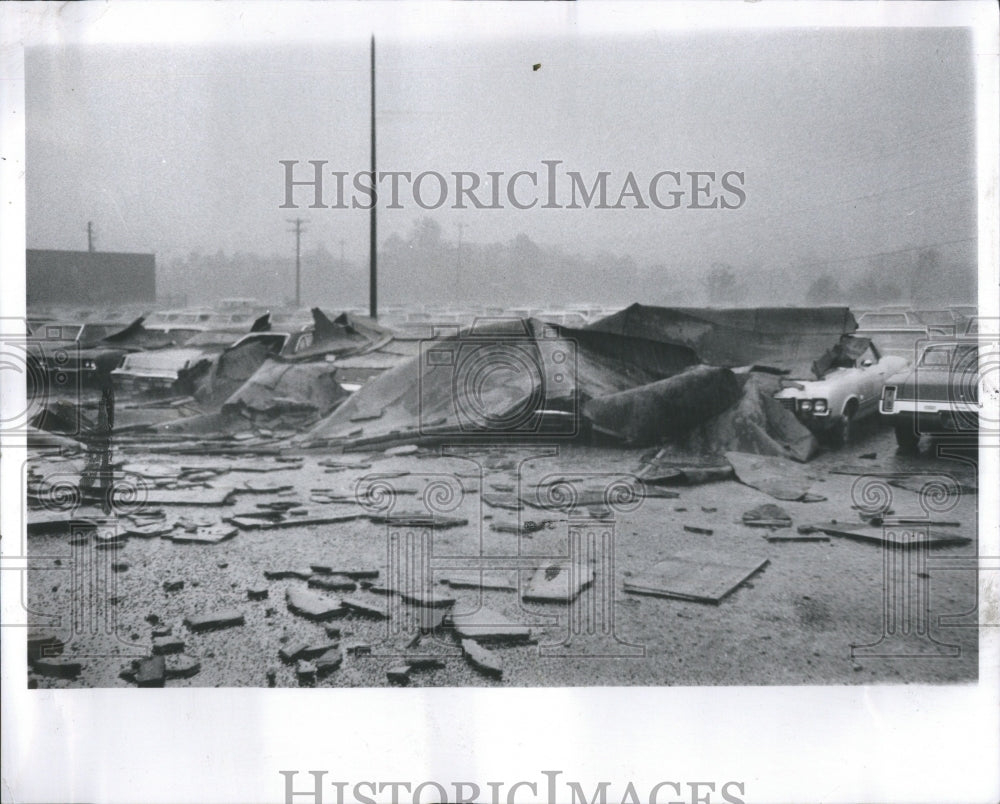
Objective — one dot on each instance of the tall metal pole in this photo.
(298, 261)
(458, 263)
(90, 236)
(372, 229)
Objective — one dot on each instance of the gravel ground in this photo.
(794, 622)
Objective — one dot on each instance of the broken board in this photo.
(703, 580)
(189, 496)
(485, 625)
(903, 537)
(779, 477)
(558, 582)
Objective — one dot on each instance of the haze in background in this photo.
(857, 148)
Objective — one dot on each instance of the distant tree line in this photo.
(423, 266)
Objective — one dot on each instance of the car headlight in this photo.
(819, 406)
(805, 405)
(89, 365)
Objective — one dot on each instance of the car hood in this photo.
(161, 360)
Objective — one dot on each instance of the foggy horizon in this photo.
(862, 162)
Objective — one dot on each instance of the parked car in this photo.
(848, 389)
(166, 320)
(278, 344)
(160, 371)
(904, 342)
(939, 322)
(939, 395)
(888, 319)
(563, 318)
(71, 355)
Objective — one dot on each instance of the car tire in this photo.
(841, 433)
(907, 437)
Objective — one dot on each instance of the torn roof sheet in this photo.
(784, 338)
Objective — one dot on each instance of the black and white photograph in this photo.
(559, 350)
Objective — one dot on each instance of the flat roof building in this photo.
(89, 277)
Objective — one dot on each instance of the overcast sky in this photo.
(852, 142)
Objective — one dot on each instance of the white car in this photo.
(849, 388)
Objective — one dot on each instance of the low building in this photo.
(85, 278)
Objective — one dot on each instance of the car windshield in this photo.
(947, 354)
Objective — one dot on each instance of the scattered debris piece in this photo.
(217, 619)
(205, 535)
(481, 658)
(180, 665)
(405, 449)
(359, 649)
(333, 583)
(173, 586)
(778, 477)
(328, 661)
(105, 539)
(356, 573)
(57, 667)
(767, 515)
(902, 537)
(359, 605)
(309, 604)
(305, 671)
(705, 579)
(259, 592)
(868, 456)
(44, 645)
(187, 496)
(162, 631)
(430, 620)
(558, 582)
(695, 529)
(419, 520)
(292, 651)
(797, 537)
(477, 579)
(486, 625)
(524, 527)
(399, 674)
(427, 597)
(151, 672)
(167, 644)
(302, 573)
(140, 529)
(294, 517)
